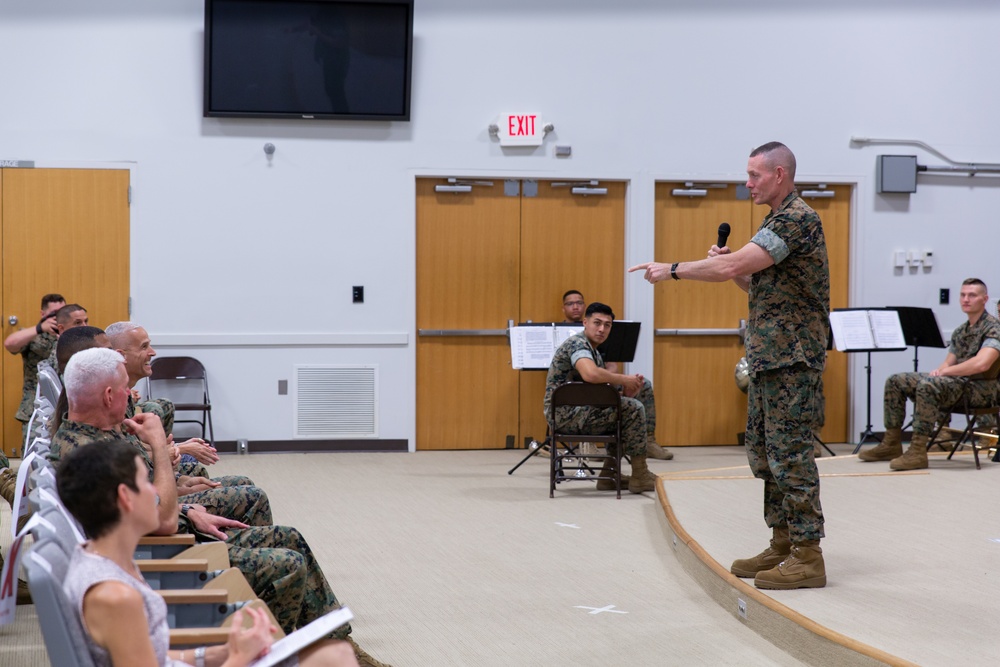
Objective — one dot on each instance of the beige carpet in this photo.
(447, 560)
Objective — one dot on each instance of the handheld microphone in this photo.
(723, 235)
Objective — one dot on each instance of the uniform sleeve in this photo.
(788, 232)
(582, 353)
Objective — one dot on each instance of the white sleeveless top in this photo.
(86, 570)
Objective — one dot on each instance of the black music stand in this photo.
(621, 343)
(920, 329)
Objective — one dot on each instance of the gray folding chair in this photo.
(46, 565)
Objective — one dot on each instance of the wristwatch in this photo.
(673, 271)
(184, 509)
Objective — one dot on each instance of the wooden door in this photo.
(714, 407)
(697, 400)
(568, 241)
(835, 212)
(468, 275)
(64, 231)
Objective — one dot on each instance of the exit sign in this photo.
(520, 129)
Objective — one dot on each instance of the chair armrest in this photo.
(216, 553)
(180, 539)
(173, 565)
(195, 596)
(188, 637)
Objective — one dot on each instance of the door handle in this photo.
(12, 320)
(741, 332)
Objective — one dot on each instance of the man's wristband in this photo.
(38, 329)
(199, 657)
(184, 509)
(673, 271)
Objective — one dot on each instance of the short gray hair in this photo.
(90, 371)
(116, 333)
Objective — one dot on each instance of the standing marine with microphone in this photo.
(784, 270)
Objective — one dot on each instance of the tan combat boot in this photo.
(915, 457)
(655, 451)
(641, 479)
(804, 568)
(8, 484)
(780, 547)
(890, 447)
(607, 481)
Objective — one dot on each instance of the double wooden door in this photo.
(505, 251)
(698, 401)
(64, 231)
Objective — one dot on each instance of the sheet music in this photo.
(561, 334)
(534, 346)
(887, 328)
(531, 347)
(852, 330)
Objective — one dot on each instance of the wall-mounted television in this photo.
(324, 59)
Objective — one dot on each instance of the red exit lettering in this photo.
(521, 126)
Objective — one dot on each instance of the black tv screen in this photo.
(308, 58)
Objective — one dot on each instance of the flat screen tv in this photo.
(308, 59)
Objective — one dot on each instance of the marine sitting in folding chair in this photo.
(577, 359)
(975, 348)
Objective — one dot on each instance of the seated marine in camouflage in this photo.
(133, 342)
(276, 560)
(577, 360)
(573, 305)
(975, 346)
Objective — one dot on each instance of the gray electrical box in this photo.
(896, 173)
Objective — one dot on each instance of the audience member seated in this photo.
(576, 360)
(125, 622)
(276, 560)
(573, 304)
(133, 342)
(975, 345)
(68, 317)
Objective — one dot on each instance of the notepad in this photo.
(291, 644)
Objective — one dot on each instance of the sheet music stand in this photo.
(621, 343)
(920, 329)
(868, 433)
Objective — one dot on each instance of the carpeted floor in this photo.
(447, 560)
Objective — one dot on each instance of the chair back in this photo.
(177, 368)
(49, 384)
(46, 565)
(573, 394)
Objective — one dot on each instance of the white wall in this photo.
(641, 90)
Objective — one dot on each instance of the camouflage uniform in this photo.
(592, 420)
(164, 409)
(34, 353)
(276, 560)
(645, 396)
(787, 334)
(931, 394)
